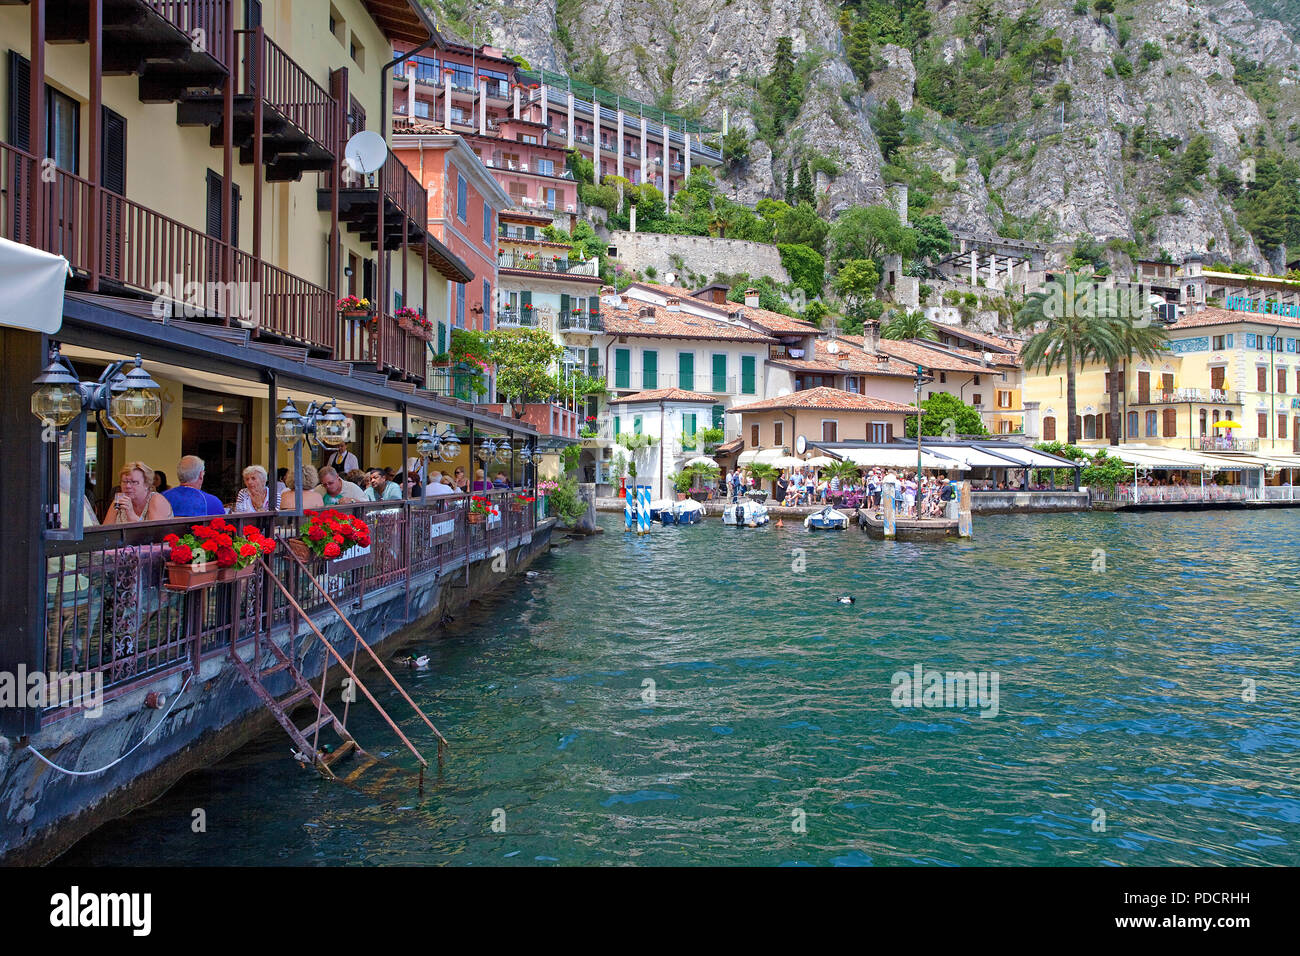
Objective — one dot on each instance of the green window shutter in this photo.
(622, 368)
(636, 425)
(686, 371)
(688, 422)
(616, 426)
(720, 373)
(718, 412)
(747, 374)
(564, 303)
(649, 369)
(530, 232)
(442, 338)
(525, 298)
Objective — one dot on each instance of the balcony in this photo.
(458, 383)
(513, 319)
(537, 262)
(580, 322)
(299, 119)
(1177, 396)
(403, 201)
(1211, 443)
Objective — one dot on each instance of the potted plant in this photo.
(520, 502)
(225, 551)
(408, 318)
(188, 565)
(327, 534)
(354, 308)
(480, 509)
(620, 471)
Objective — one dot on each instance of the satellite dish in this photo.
(800, 445)
(366, 152)
(670, 278)
(833, 348)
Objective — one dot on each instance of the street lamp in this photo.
(449, 445)
(921, 379)
(124, 403)
(323, 425)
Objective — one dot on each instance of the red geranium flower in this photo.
(210, 547)
(250, 531)
(226, 558)
(172, 539)
(332, 550)
(315, 532)
(182, 554)
(338, 539)
(267, 545)
(247, 550)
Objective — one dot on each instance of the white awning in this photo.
(1177, 459)
(899, 457)
(31, 288)
(763, 456)
(978, 457)
(1028, 457)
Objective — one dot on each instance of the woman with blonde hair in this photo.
(292, 501)
(255, 496)
(136, 500)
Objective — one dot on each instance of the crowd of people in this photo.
(924, 499)
(143, 494)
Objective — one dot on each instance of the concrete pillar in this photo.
(974, 265)
(410, 92)
(644, 155)
(686, 162)
(516, 102)
(482, 106)
(546, 112)
(571, 144)
(446, 100)
(632, 216)
(993, 270)
(619, 131)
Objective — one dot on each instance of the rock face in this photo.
(1053, 174)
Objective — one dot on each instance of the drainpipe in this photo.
(383, 84)
(661, 447)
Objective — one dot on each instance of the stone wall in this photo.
(697, 255)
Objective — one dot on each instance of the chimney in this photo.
(647, 314)
(719, 295)
(751, 298)
(674, 304)
(870, 336)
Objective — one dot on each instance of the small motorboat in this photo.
(828, 519)
(681, 512)
(745, 514)
(657, 509)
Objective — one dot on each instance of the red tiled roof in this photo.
(927, 358)
(958, 331)
(860, 361)
(675, 325)
(806, 365)
(1001, 359)
(828, 399)
(666, 395)
(1224, 317)
(764, 318)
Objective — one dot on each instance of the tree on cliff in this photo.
(888, 124)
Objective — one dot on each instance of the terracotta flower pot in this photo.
(300, 549)
(185, 575)
(356, 316)
(476, 518)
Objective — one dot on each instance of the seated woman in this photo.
(137, 500)
(309, 499)
(480, 481)
(254, 496)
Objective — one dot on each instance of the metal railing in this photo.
(109, 612)
(1171, 396)
(1211, 443)
(581, 322)
(539, 262)
(1178, 494)
(287, 89)
(509, 318)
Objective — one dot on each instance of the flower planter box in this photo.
(475, 518)
(190, 577)
(356, 316)
(225, 575)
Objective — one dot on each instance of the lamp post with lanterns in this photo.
(322, 425)
(125, 404)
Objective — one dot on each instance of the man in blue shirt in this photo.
(188, 499)
(381, 489)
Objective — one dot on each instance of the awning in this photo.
(1176, 459)
(32, 281)
(978, 457)
(898, 457)
(762, 456)
(1022, 457)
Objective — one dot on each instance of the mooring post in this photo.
(887, 501)
(963, 513)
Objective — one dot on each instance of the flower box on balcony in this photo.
(190, 577)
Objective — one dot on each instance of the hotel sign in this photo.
(1241, 303)
(1198, 344)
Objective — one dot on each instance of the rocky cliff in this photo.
(1134, 121)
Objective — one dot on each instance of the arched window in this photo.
(1203, 421)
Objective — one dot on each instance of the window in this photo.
(1281, 425)
(753, 436)
(487, 304)
(747, 363)
(1263, 424)
(1151, 425)
(113, 153)
(877, 431)
(1203, 420)
(718, 412)
(1252, 340)
(337, 26)
(460, 305)
(1090, 426)
(1132, 425)
(487, 224)
(977, 379)
(546, 167)
(64, 129)
(1170, 423)
(622, 368)
(686, 371)
(549, 198)
(829, 430)
(214, 225)
(1216, 343)
(977, 399)
(462, 198)
(943, 377)
(1281, 381)
(649, 368)
(636, 424)
(720, 374)
(1216, 376)
(1049, 428)
(1261, 379)
(688, 423)
(778, 433)
(1004, 399)
(357, 52)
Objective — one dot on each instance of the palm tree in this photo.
(1065, 335)
(908, 325)
(1146, 341)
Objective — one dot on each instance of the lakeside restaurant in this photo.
(1164, 475)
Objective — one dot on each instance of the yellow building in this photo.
(1220, 365)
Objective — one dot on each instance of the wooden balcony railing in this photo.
(403, 189)
(107, 610)
(209, 16)
(383, 343)
(287, 305)
(287, 88)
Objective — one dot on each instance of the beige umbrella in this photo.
(788, 461)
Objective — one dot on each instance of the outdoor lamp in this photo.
(57, 398)
(449, 449)
(504, 452)
(526, 454)
(487, 450)
(426, 444)
(331, 426)
(135, 402)
(288, 424)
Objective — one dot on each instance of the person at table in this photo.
(160, 481)
(336, 491)
(459, 481)
(341, 460)
(381, 489)
(437, 486)
(308, 500)
(188, 499)
(480, 481)
(255, 496)
(137, 501)
(501, 481)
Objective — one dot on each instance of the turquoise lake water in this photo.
(772, 738)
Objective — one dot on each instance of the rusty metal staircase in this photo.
(307, 739)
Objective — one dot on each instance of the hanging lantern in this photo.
(288, 424)
(136, 405)
(332, 426)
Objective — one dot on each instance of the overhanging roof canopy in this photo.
(894, 456)
(31, 287)
(405, 20)
(762, 456)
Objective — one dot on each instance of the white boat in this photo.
(828, 519)
(744, 514)
(681, 512)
